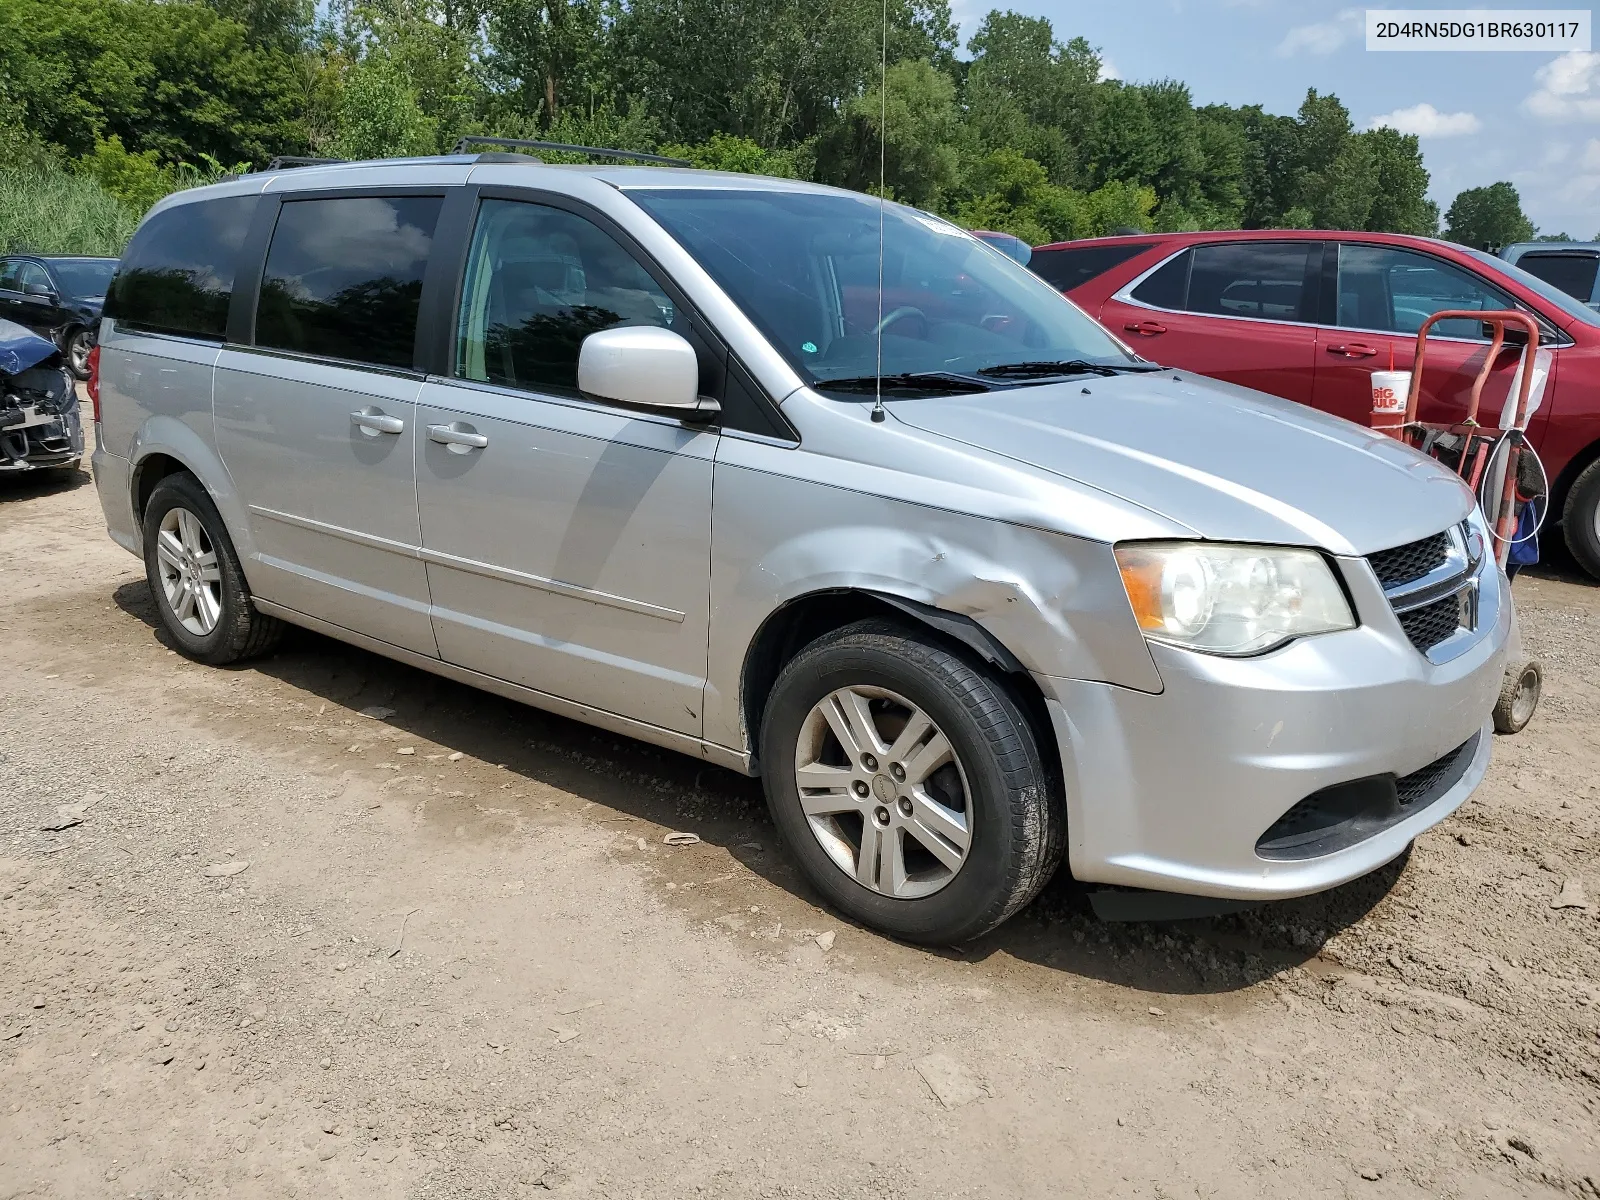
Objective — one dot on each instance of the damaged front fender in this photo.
(1053, 602)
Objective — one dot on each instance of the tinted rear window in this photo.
(177, 274)
(1069, 268)
(1264, 280)
(1572, 273)
(343, 277)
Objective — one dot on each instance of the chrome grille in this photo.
(1432, 623)
(1432, 585)
(1409, 563)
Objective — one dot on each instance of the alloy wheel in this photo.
(191, 577)
(883, 792)
(78, 352)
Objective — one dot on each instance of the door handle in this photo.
(1354, 350)
(372, 420)
(1145, 328)
(458, 439)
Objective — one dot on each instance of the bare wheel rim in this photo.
(78, 349)
(883, 792)
(190, 576)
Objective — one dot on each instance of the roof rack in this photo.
(462, 146)
(285, 161)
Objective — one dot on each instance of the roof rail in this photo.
(284, 161)
(462, 146)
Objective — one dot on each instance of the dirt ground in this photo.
(289, 949)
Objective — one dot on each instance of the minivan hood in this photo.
(1227, 462)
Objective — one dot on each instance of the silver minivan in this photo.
(813, 489)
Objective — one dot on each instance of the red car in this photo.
(1309, 314)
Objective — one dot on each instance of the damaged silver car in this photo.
(816, 489)
(39, 425)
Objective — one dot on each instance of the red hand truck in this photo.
(1479, 449)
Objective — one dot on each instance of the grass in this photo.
(45, 210)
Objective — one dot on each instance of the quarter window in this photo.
(1391, 290)
(539, 280)
(1168, 286)
(1074, 266)
(343, 277)
(177, 274)
(8, 275)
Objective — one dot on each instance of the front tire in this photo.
(909, 784)
(195, 577)
(1580, 519)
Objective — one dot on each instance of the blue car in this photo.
(39, 424)
(59, 298)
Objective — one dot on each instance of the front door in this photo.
(568, 542)
(317, 420)
(1384, 295)
(1239, 311)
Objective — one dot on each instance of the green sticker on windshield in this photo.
(809, 347)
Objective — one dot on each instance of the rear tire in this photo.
(962, 832)
(195, 578)
(1580, 519)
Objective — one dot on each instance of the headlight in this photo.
(1230, 599)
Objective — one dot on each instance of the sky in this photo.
(1527, 117)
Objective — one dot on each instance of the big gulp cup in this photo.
(1389, 392)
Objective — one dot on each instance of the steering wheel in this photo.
(898, 314)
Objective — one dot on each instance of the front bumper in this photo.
(1172, 791)
(32, 437)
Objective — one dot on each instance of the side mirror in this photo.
(645, 366)
(39, 289)
(1516, 335)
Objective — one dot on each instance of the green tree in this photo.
(378, 114)
(424, 47)
(920, 160)
(547, 56)
(1400, 201)
(1488, 217)
(175, 78)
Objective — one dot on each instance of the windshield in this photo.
(804, 267)
(1566, 303)
(85, 276)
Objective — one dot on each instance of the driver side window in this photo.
(540, 280)
(1391, 290)
(32, 275)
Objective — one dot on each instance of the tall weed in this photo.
(45, 210)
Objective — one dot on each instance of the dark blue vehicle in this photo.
(39, 423)
(59, 298)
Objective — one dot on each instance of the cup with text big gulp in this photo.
(1389, 392)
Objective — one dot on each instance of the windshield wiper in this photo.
(920, 381)
(1072, 366)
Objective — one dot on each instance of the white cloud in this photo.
(1569, 88)
(1108, 69)
(1591, 155)
(1425, 120)
(1325, 36)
